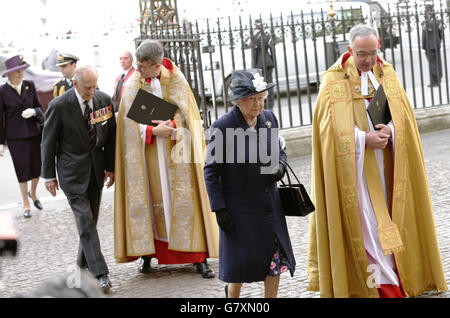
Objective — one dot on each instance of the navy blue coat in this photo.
(251, 199)
(12, 124)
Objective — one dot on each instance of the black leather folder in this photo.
(147, 107)
(378, 108)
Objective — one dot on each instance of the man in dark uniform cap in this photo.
(67, 64)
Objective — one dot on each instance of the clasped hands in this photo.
(163, 129)
(378, 139)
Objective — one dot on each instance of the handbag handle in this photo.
(287, 174)
(289, 179)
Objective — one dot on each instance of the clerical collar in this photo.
(365, 77)
(149, 80)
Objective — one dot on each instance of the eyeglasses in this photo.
(364, 55)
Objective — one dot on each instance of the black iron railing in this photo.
(303, 45)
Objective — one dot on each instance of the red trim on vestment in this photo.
(345, 58)
(149, 79)
(168, 64)
(132, 70)
(390, 291)
(166, 256)
(149, 138)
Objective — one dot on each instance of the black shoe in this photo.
(27, 214)
(36, 203)
(144, 266)
(204, 269)
(104, 283)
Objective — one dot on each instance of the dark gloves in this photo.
(277, 174)
(224, 220)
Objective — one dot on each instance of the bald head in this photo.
(85, 81)
(126, 60)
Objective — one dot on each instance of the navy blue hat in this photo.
(246, 83)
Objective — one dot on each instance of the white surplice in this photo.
(384, 265)
(155, 87)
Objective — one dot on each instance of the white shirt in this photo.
(127, 71)
(18, 88)
(81, 102)
(69, 81)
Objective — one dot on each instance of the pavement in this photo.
(49, 241)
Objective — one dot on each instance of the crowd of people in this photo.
(180, 200)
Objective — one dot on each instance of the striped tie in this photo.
(89, 126)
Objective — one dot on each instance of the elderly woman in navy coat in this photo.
(243, 164)
(20, 118)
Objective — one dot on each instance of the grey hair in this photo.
(80, 71)
(362, 30)
(150, 51)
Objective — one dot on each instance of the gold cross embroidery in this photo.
(344, 144)
(388, 236)
(349, 199)
(339, 91)
(391, 87)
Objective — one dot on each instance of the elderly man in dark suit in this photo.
(80, 132)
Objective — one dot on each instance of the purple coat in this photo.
(12, 124)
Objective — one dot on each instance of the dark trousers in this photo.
(435, 64)
(86, 208)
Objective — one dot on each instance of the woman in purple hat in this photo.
(21, 116)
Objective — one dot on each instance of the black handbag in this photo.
(294, 198)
